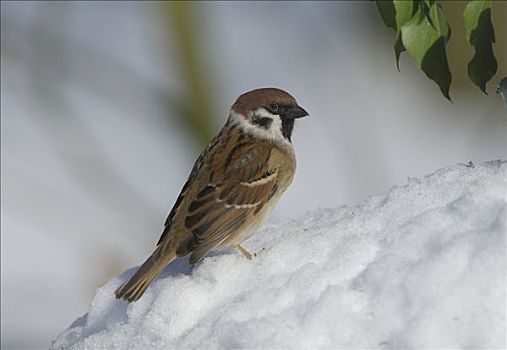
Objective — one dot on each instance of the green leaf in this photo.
(395, 13)
(436, 67)
(480, 34)
(404, 10)
(471, 15)
(427, 47)
(398, 49)
(387, 12)
(438, 21)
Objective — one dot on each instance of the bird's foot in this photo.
(245, 252)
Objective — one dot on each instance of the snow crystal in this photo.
(422, 265)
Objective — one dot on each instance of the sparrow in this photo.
(233, 186)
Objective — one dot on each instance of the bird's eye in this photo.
(273, 107)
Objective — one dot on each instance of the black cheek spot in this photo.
(263, 122)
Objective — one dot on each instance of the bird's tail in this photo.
(134, 288)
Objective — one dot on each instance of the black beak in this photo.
(295, 112)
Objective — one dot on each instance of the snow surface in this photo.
(423, 265)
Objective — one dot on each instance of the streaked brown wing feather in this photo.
(175, 208)
(221, 210)
(229, 184)
(215, 146)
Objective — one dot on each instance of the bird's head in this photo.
(267, 113)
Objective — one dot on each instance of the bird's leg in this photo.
(243, 251)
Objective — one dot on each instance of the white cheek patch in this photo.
(273, 133)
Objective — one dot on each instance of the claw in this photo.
(245, 252)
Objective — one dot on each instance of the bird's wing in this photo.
(222, 208)
(175, 208)
(194, 180)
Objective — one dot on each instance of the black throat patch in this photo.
(287, 127)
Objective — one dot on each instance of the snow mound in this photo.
(422, 265)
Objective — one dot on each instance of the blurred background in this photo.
(106, 105)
